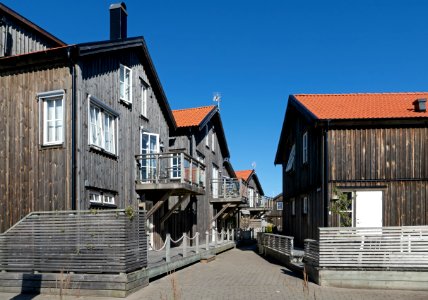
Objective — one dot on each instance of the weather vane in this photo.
(217, 98)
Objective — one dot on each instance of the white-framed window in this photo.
(207, 142)
(290, 163)
(102, 127)
(305, 147)
(125, 84)
(293, 206)
(52, 104)
(98, 197)
(108, 199)
(279, 205)
(95, 197)
(144, 98)
(213, 141)
(305, 205)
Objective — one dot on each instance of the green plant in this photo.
(129, 211)
(340, 207)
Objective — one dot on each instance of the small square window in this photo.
(95, 197)
(125, 84)
(108, 199)
(279, 205)
(290, 163)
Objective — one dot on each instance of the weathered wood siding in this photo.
(390, 159)
(303, 180)
(15, 40)
(99, 77)
(32, 177)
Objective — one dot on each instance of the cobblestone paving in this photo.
(243, 274)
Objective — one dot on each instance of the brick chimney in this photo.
(118, 21)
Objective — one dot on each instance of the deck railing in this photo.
(370, 248)
(280, 243)
(102, 241)
(261, 202)
(228, 188)
(170, 167)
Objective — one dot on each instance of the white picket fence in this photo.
(403, 247)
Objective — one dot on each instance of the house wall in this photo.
(15, 39)
(32, 177)
(393, 160)
(303, 180)
(204, 209)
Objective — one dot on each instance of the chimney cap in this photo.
(420, 105)
(119, 5)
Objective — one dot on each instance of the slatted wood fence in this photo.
(370, 248)
(101, 241)
(281, 243)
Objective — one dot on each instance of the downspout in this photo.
(73, 132)
(325, 176)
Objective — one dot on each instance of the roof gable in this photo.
(247, 176)
(193, 117)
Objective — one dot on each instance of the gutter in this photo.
(73, 132)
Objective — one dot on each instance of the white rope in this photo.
(153, 249)
(175, 242)
(192, 238)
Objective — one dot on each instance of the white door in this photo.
(251, 197)
(368, 209)
(149, 146)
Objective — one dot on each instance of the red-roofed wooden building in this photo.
(371, 147)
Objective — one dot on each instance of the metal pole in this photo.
(197, 242)
(168, 248)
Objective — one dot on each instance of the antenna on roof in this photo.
(217, 98)
(253, 164)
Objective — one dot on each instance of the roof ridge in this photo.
(356, 94)
(199, 107)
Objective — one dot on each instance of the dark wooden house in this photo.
(200, 133)
(274, 216)
(256, 206)
(85, 126)
(369, 148)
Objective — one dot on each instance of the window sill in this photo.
(101, 205)
(52, 146)
(144, 118)
(99, 150)
(125, 102)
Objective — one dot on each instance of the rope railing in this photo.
(216, 237)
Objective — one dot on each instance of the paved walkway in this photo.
(243, 274)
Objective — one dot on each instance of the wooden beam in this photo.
(171, 211)
(229, 213)
(158, 204)
(220, 212)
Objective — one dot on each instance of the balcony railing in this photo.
(228, 189)
(174, 167)
(261, 202)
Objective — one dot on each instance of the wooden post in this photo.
(233, 234)
(207, 242)
(184, 244)
(197, 242)
(222, 236)
(215, 238)
(182, 167)
(227, 234)
(168, 248)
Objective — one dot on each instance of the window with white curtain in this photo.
(53, 117)
(125, 84)
(102, 128)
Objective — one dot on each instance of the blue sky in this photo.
(256, 53)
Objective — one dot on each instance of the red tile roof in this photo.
(362, 106)
(244, 175)
(191, 116)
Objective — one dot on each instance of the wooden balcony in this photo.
(228, 190)
(259, 204)
(176, 173)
